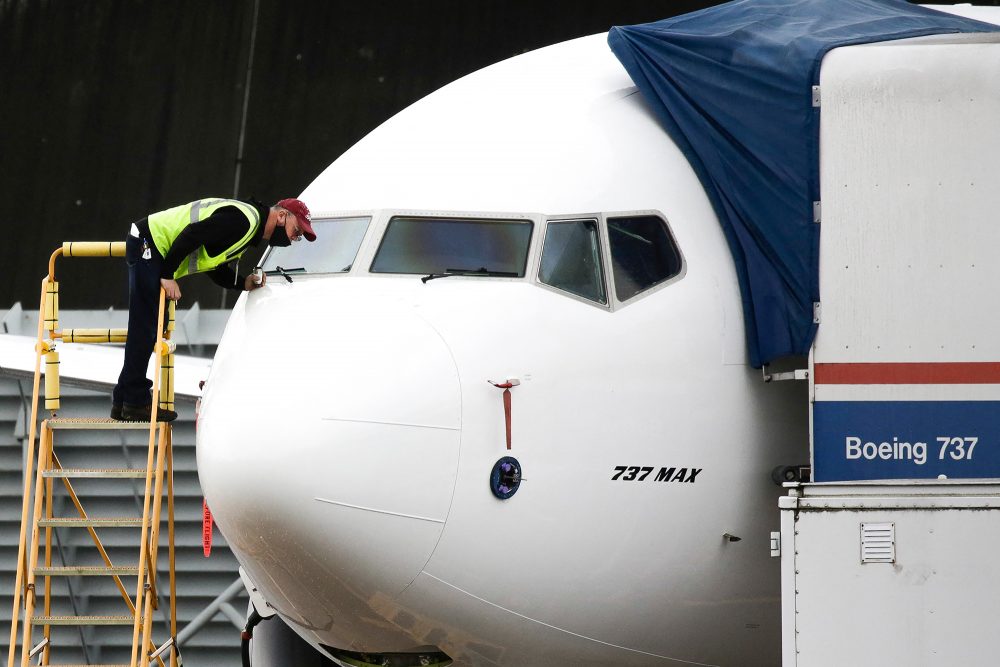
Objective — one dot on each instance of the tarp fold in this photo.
(732, 86)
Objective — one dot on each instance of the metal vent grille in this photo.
(878, 543)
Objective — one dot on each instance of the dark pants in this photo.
(143, 305)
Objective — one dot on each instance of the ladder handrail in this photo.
(47, 630)
(171, 553)
(150, 602)
(41, 490)
(143, 589)
(30, 596)
(19, 577)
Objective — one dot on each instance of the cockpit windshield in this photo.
(454, 246)
(333, 251)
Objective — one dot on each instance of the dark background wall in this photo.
(111, 109)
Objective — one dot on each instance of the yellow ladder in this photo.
(37, 511)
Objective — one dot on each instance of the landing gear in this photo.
(274, 644)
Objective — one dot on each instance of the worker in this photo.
(204, 236)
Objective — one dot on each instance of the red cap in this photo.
(301, 213)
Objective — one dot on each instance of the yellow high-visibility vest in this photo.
(167, 225)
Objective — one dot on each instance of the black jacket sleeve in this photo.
(224, 276)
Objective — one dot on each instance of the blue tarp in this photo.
(732, 85)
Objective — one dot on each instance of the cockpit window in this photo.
(446, 246)
(642, 254)
(333, 251)
(571, 259)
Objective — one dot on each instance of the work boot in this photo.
(142, 413)
(116, 411)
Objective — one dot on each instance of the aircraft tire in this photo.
(274, 644)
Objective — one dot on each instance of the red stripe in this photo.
(976, 372)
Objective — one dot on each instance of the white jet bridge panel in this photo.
(926, 599)
(906, 362)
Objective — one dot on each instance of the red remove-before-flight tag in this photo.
(206, 528)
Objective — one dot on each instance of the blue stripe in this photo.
(869, 440)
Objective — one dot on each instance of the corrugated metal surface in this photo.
(200, 580)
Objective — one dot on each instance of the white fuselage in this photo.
(349, 427)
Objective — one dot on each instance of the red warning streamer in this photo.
(506, 401)
(206, 528)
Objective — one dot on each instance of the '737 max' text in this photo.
(640, 473)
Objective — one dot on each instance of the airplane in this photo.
(501, 412)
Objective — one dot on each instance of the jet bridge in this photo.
(905, 368)
(888, 557)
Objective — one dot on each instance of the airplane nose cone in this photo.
(328, 447)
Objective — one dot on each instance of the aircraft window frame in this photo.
(614, 303)
(386, 218)
(359, 252)
(379, 221)
(682, 263)
(602, 254)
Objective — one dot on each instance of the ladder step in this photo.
(97, 473)
(83, 620)
(93, 522)
(88, 570)
(95, 423)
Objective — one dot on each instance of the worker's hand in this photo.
(171, 288)
(250, 283)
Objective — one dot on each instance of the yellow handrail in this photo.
(170, 547)
(142, 589)
(154, 537)
(47, 631)
(93, 335)
(41, 489)
(19, 577)
(44, 451)
(93, 248)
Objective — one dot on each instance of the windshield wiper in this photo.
(481, 271)
(284, 272)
